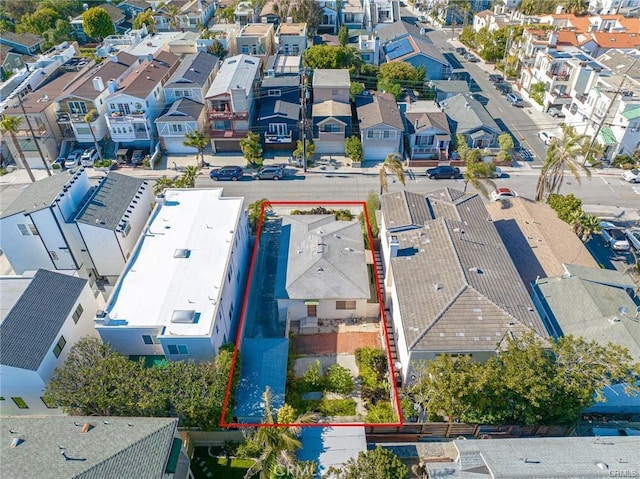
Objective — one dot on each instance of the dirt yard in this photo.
(334, 343)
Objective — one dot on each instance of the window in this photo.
(274, 92)
(77, 313)
(59, 347)
(634, 126)
(245, 49)
(229, 273)
(345, 305)
(24, 230)
(331, 127)
(124, 108)
(335, 92)
(177, 128)
(280, 129)
(231, 312)
(77, 107)
(147, 339)
(20, 402)
(177, 349)
(49, 404)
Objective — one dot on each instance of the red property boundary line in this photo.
(239, 334)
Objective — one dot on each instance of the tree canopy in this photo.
(38, 22)
(379, 463)
(97, 23)
(528, 383)
(332, 57)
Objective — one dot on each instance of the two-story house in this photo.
(181, 117)
(380, 11)
(244, 13)
(331, 112)
(369, 48)
(330, 16)
(428, 131)
(43, 316)
(118, 18)
(291, 38)
(609, 7)
(24, 43)
(269, 13)
(256, 39)
(133, 8)
(89, 91)
(192, 78)
(230, 102)
(134, 105)
(381, 126)
(278, 119)
(352, 14)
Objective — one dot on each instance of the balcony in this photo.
(66, 117)
(131, 118)
(228, 115)
(556, 97)
(270, 138)
(556, 76)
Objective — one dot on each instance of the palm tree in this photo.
(392, 165)
(563, 153)
(277, 443)
(478, 173)
(173, 13)
(11, 124)
(584, 224)
(196, 139)
(162, 184)
(88, 118)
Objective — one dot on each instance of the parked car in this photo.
(496, 78)
(514, 99)
(269, 173)
(633, 236)
(614, 236)
(497, 172)
(136, 158)
(503, 193)
(233, 173)
(632, 176)
(440, 172)
(73, 159)
(503, 87)
(556, 113)
(546, 137)
(89, 156)
(461, 51)
(123, 155)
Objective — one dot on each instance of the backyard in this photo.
(212, 466)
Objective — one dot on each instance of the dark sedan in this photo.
(442, 172)
(503, 88)
(233, 173)
(496, 78)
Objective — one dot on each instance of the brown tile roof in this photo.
(38, 100)
(539, 242)
(116, 14)
(567, 37)
(26, 39)
(82, 87)
(140, 83)
(616, 39)
(379, 109)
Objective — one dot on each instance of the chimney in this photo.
(415, 124)
(113, 58)
(149, 57)
(98, 84)
(395, 245)
(112, 85)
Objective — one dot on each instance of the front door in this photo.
(312, 310)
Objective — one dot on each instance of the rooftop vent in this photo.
(16, 441)
(182, 253)
(183, 316)
(86, 427)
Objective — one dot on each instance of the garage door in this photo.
(227, 145)
(326, 147)
(377, 153)
(175, 146)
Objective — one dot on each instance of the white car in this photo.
(503, 193)
(89, 156)
(614, 236)
(73, 159)
(632, 176)
(546, 137)
(633, 236)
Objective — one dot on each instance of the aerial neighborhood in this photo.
(424, 260)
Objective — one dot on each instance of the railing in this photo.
(274, 138)
(66, 117)
(227, 115)
(133, 117)
(557, 76)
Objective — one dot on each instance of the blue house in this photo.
(278, 118)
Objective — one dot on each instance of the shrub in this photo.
(312, 379)
(381, 413)
(623, 161)
(374, 395)
(372, 366)
(338, 407)
(339, 380)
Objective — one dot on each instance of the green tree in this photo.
(97, 23)
(537, 92)
(188, 178)
(217, 49)
(392, 165)
(309, 12)
(196, 139)
(38, 22)
(88, 119)
(162, 184)
(331, 57)
(226, 14)
(563, 154)
(584, 225)
(146, 18)
(6, 25)
(565, 205)
(252, 148)
(379, 463)
(353, 148)
(173, 14)
(60, 33)
(355, 89)
(11, 125)
(254, 210)
(461, 146)
(505, 141)
(402, 72)
(468, 37)
(478, 173)
(300, 148)
(576, 7)
(343, 35)
(65, 8)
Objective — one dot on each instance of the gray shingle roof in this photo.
(324, 258)
(33, 324)
(112, 448)
(326, 77)
(467, 114)
(397, 30)
(379, 109)
(110, 201)
(280, 81)
(279, 108)
(182, 110)
(38, 195)
(417, 121)
(405, 210)
(457, 287)
(193, 71)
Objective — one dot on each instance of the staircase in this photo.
(389, 320)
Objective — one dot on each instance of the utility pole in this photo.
(304, 118)
(33, 135)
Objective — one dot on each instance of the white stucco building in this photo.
(179, 294)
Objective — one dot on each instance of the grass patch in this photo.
(381, 412)
(220, 467)
(338, 407)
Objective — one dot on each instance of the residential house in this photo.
(428, 132)
(194, 13)
(230, 102)
(352, 14)
(492, 20)
(244, 13)
(402, 41)
(291, 38)
(89, 91)
(118, 17)
(193, 256)
(378, 12)
(444, 89)
(192, 78)
(469, 118)
(331, 447)
(10, 61)
(322, 271)
(539, 242)
(111, 221)
(269, 14)
(182, 117)
(256, 39)
(369, 48)
(278, 119)
(280, 64)
(605, 41)
(93, 446)
(609, 7)
(133, 8)
(451, 286)
(330, 16)
(43, 316)
(37, 229)
(187, 43)
(537, 457)
(381, 126)
(331, 111)
(134, 105)
(590, 302)
(23, 43)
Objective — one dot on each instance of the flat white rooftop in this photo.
(179, 266)
(150, 45)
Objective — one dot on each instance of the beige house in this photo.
(331, 84)
(291, 38)
(256, 39)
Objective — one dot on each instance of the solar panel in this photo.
(398, 49)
